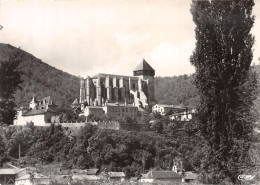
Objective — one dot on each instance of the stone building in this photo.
(102, 89)
(39, 112)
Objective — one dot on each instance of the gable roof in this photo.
(37, 111)
(143, 66)
(162, 175)
(8, 171)
(92, 171)
(36, 176)
(190, 176)
(116, 174)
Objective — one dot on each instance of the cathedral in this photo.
(104, 89)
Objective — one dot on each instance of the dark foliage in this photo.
(226, 85)
(10, 80)
(131, 152)
(177, 90)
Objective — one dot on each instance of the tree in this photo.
(226, 84)
(2, 151)
(10, 80)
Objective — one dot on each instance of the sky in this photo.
(85, 37)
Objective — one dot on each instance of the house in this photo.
(33, 179)
(7, 175)
(93, 171)
(164, 109)
(116, 176)
(190, 177)
(183, 116)
(25, 176)
(169, 176)
(88, 174)
(111, 110)
(39, 112)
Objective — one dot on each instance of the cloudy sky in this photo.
(109, 36)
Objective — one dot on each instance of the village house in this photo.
(88, 174)
(22, 176)
(7, 175)
(183, 116)
(190, 177)
(39, 112)
(154, 176)
(32, 179)
(163, 109)
(116, 176)
(111, 110)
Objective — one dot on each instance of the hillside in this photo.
(176, 90)
(41, 79)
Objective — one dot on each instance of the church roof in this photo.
(144, 66)
(104, 75)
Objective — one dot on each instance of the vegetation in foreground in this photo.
(88, 147)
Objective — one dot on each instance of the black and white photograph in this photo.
(131, 92)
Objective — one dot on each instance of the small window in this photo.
(123, 110)
(134, 86)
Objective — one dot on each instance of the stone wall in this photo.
(111, 125)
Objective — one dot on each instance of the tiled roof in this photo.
(104, 75)
(63, 172)
(36, 176)
(116, 174)
(93, 171)
(37, 112)
(190, 176)
(144, 66)
(162, 175)
(8, 171)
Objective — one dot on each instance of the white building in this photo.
(163, 109)
(34, 179)
(183, 116)
(39, 112)
(113, 110)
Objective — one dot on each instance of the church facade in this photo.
(109, 89)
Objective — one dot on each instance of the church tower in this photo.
(146, 73)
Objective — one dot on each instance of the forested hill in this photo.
(41, 79)
(177, 90)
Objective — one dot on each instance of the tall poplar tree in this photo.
(227, 86)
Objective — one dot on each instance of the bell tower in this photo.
(146, 72)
